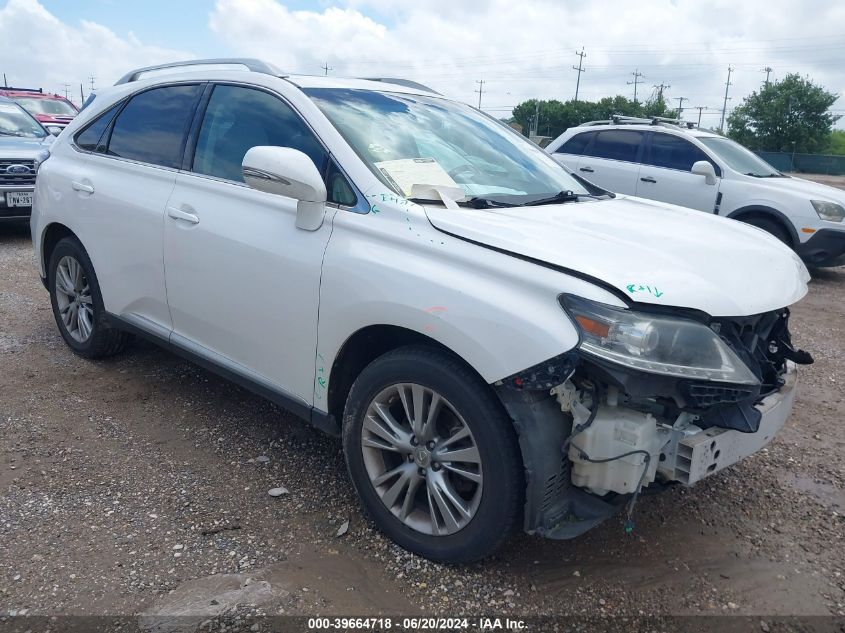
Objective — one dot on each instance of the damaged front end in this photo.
(647, 399)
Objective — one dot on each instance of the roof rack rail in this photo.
(407, 83)
(38, 90)
(618, 119)
(254, 65)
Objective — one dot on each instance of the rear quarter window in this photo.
(89, 138)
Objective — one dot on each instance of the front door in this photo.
(665, 174)
(242, 281)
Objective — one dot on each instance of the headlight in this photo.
(655, 344)
(829, 210)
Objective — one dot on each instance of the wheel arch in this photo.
(363, 347)
(52, 235)
(743, 214)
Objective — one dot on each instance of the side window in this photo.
(153, 125)
(673, 152)
(617, 145)
(238, 119)
(338, 188)
(577, 144)
(88, 139)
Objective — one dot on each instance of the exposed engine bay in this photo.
(594, 433)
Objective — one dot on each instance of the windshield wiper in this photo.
(479, 202)
(563, 196)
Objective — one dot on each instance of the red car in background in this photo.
(50, 110)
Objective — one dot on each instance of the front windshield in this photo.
(47, 106)
(14, 121)
(739, 158)
(405, 138)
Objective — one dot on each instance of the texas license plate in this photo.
(18, 198)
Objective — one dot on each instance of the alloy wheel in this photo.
(73, 298)
(422, 459)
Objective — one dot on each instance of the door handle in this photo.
(81, 186)
(648, 179)
(178, 214)
(589, 170)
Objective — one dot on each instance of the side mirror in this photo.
(290, 173)
(55, 130)
(704, 168)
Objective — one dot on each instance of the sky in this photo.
(520, 50)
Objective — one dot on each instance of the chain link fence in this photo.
(806, 163)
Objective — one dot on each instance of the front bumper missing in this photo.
(689, 459)
(554, 508)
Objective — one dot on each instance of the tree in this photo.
(556, 116)
(790, 115)
(836, 143)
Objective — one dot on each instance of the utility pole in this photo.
(768, 71)
(480, 90)
(580, 70)
(81, 94)
(5, 83)
(699, 108)
(725, 103)
(536, 125)
(638, 76)
(681, 105)
(91, 78)
(66, 86)
(660, 88)
(326, 68)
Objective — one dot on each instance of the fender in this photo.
(778, 216)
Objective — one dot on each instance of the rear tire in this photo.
(78, 304)
(446, 481)
(772, 227)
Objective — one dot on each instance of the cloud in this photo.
(520, 49)
(527, 49)
(38, 50)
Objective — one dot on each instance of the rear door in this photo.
(665, 174)
(242, 280)
(611, 160)
(124, 185)
(570, 152)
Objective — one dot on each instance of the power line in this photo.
(725, 103)
(580, 70)
(637, 79)
(479, 91)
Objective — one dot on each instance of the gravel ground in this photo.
(129, 483)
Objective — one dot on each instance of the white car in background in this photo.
(499, 344)
(662, 160)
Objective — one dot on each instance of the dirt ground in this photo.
(127, 484)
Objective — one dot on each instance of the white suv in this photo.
(661, 160)
(499, 344)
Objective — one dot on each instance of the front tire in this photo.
(78, 304)
(433, 455)
(771, 227)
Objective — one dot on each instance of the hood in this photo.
(803, 188)
(23, 147)
(651, 252)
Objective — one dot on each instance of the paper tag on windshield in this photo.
(407, 172)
